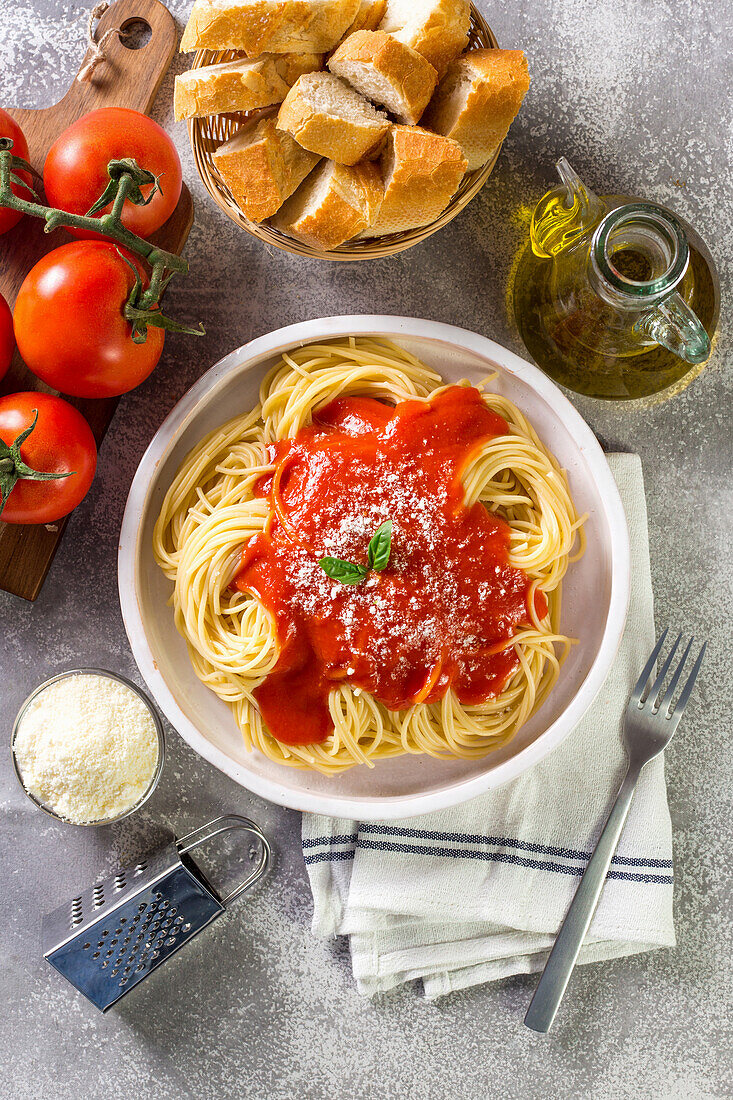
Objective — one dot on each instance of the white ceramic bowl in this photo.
(595, 593)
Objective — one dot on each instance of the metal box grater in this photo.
(110, 937)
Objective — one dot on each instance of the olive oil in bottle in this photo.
(614, 297)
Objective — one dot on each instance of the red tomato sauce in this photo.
(437, 617)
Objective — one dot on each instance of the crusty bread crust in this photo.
(245, 85)
(262, 167)
(368, 17)
(275, 26)
(478, 99)
(341, 139)
(409, 77)
(440, 37)
(350, 202)
(420, 174)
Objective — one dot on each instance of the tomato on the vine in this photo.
(70, 321)
(75, 172)
(9, 128)
(7, 340)
(47, 471)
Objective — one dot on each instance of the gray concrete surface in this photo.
(634, 95)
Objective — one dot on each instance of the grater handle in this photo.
(226, 824)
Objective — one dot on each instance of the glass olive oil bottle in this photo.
(614, 297)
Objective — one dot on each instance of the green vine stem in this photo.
(126, 178)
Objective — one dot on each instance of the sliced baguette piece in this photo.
(478, 99)
(368, 17)
(438, 29)
(386, 71)
(420, 175)
(335, 203)
(262, 166)
(328, 117)
(245, 85)
(274, 26)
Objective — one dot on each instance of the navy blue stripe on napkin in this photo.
(318, 840)
(354, 841)
(508, 842)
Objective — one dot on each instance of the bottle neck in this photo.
(638, 256)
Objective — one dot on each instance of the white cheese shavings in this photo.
(87, 748)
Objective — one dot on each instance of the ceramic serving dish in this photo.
(595, 592)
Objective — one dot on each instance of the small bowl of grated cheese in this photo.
(88, 747)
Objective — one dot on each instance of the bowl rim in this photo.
(248, 356)
(160, 734)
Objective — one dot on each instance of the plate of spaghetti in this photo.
(372, 566)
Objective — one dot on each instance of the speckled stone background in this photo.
(635, 96)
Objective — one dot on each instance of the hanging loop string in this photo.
(97, 48)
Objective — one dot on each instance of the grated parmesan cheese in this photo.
(87, 748)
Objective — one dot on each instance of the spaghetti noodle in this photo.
(241, 514)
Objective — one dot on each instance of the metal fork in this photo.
(649, 724)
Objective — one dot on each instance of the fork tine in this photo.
(642, 681)
(656, 687)
(687, 689)
(667, 698)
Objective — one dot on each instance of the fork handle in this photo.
(564, 954)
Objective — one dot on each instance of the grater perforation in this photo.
(114, 934)
(77, 915)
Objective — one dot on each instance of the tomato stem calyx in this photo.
(13, 468)
(142, 308)
(126, 178)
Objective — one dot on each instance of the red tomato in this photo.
(7, 340)
(75, 172)
(61, 442)
(70, 325)
(9, 128)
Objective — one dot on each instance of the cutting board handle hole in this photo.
(138, 33)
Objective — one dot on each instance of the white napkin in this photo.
(478, 892)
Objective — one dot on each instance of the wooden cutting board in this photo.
(127, 78)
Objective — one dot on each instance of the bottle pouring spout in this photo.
(565, 215)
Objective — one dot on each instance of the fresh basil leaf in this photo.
(347, 572)
(380, 547)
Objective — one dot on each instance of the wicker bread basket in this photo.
(207, 134)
